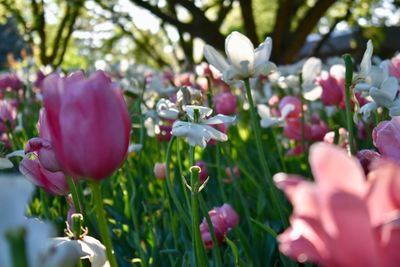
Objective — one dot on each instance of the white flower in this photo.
(243, 60)
(15, 192)
(310, 71)
(86, 248)
(266, 118)
(201, 132)
(166, 109)
(376, 82)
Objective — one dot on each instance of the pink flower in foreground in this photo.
(386, 137)
(342, 219)
(88, 122)
(42, 146)
(223, 219)
(52, 182)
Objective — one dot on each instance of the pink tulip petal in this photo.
(333, 168)
(383, 197)
(353, 240)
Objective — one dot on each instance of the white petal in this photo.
(218, 119)
(5, 163)
(338, 71)
(96, 251)
(15, 192)
(311, 69)
(166, 109)
(240, 52)
(365, 65)
(16, 153)
(264, 111)
(368, 108)
(390, 86)
(37, 234)
(203, 111)
(215, 58)
(313, 94)
(286, 110)
(362, 87)
(262, 53)
(269, 122)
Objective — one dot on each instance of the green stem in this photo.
(349, 117)
(101, 218)
(172, 193)
(216, 250)
(303, 142)
(16, 242)
(270, 187)
(196, 236)
(74, 194)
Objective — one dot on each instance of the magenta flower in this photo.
(10, 81)
(223, 219)
(225, 103)
(8, 114)
(52, 182)
(386, 137)
(295, 102)
(332, 90)
(342, 219)
(292, 130)
(88, 122)
(204, 172)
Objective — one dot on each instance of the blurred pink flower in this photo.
(318, 130)
(291, 100)
(8, 114)
(223, 219)
(231, 173)
(163, 133)
(160, 170)
(292, 130)
(394, 66)
(297, 150)
(342, 219)
(10, 81)
(225, 103)
(332, 90)
(52, 182)
(386, 137)
(88, 122)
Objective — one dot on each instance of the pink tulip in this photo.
(88, 122)
(225, 103)
(394, 67)
(52, 182)
(332, 90)
(342, 219)
(223, 219)
(292, 130)
(160, 170)
(292, 100)
(386, 137)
